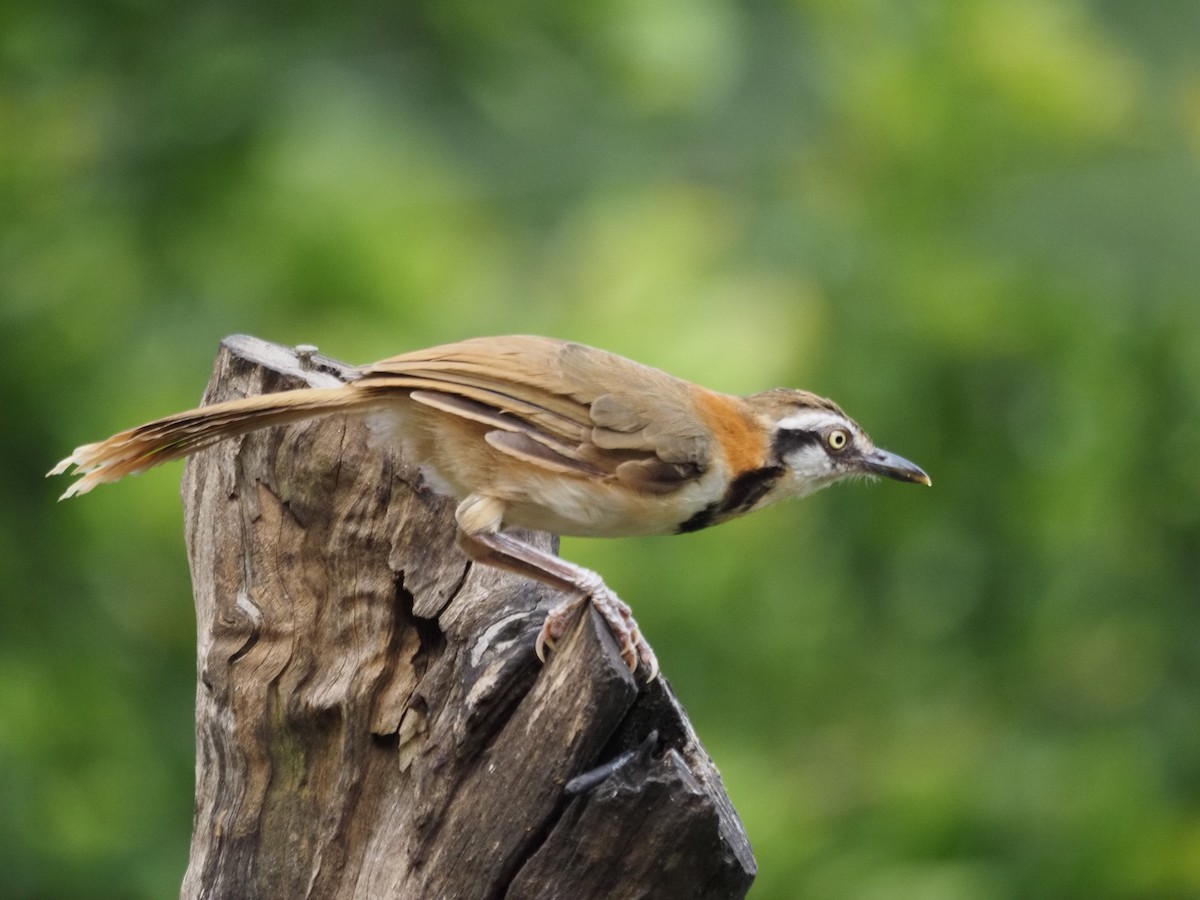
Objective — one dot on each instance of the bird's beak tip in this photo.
(917, 477)
(889, 465)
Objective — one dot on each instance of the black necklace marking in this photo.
(743, 492)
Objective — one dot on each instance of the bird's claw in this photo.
(540, 645)
(558, 620)
(619, 618)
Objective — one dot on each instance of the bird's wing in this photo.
(562, 406)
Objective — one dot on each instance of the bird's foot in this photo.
(616, 614)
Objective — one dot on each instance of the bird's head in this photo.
(816, 444)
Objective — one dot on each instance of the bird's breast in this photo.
(593, 508)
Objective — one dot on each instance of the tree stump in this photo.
(371, 720)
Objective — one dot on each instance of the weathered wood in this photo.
(371, 720)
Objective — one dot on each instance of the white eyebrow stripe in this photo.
(810, 420)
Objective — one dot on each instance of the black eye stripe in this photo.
(789, 440)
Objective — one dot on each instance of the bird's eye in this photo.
(838, 439)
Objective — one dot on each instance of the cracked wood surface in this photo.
(371, 720)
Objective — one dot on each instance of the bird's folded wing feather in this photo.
(565, 407)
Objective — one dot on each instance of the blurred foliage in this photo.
(974, 223)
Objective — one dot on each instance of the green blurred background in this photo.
(973, 222)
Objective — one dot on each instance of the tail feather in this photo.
(174, 437)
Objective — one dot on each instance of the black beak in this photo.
(889, 465)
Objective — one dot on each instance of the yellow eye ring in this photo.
(838, 439)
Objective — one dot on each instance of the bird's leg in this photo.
(504, 551)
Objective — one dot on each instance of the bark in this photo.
(371, 720)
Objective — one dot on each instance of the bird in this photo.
(538, 433)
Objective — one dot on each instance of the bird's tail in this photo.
(173, 437)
